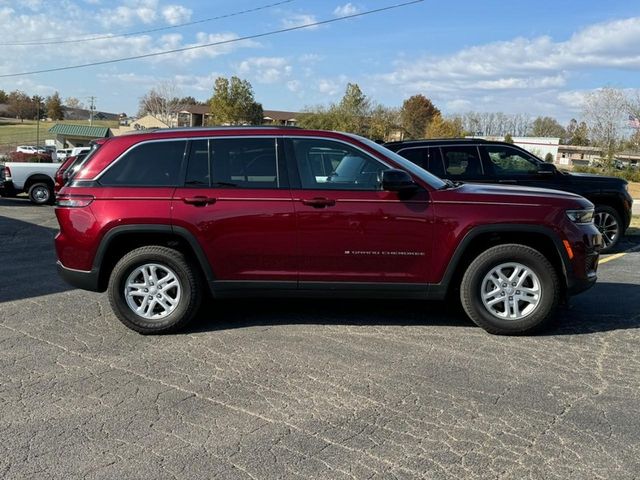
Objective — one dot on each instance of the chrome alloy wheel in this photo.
(510, 291)
(608, 226)
(152, 291)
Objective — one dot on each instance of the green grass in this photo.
(13, 132)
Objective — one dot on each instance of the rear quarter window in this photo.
(152, 164)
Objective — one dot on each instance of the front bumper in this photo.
(79, 278)
(7, 189)
(583, 273)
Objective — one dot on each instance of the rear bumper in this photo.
(80, 278)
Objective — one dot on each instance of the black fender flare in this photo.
(440, 290)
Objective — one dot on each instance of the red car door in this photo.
(349, 230)
(238, 205)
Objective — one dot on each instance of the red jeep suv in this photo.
(159, 218)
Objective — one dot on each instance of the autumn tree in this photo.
(53, 106)
(416, 113)
(440, 127)
(577, 133)
(20, 105)
(382, 121)
(233, 103)
(547, 127)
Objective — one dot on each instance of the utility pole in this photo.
(92, 107)
(37, 123)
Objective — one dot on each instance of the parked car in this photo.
(71, 165)
(63, 154)
(475, 160)
(30, 149)
(36, 179)
(157, 218)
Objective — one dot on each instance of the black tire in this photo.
(608, 220)
(41, 193)
(189, 281)
(472, 284)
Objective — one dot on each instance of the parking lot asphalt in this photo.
(309, 389)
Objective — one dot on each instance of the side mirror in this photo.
(546, 169)
(395, 180)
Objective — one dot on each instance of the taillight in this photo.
(74, 201)
(7, 173)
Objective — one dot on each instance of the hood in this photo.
(511, 194)
(592, 177)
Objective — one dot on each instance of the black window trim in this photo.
(282, 182)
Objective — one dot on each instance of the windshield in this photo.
(412, 168)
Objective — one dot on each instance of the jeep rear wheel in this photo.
(510, 289)
(154, 290)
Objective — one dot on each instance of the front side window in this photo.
(151, 164)
(326, 164)
(462, 161)
(507, 161)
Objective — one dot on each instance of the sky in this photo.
(534, 57)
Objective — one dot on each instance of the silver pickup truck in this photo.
(36, 179)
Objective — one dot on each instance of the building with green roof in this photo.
(69, 135)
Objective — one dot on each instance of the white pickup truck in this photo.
(36, 179)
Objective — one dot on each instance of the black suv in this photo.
(477, 160)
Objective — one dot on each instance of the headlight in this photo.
(581, 216)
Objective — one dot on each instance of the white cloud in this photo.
(299, 19)
(175, 14)
(265, 69)
(540, 66)
(294, 86)
(344, 10)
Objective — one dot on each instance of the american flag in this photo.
(634, 122)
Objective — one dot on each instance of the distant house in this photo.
(143, 123)
(69, 135)
(84, 114)
(279, 117)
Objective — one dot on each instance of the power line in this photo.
(213, 44)
(61, 40)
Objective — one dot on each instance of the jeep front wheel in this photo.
(510, 289)
(154, 290)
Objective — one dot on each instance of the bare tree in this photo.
(604, 112)
(496, 123)
(73, 102)
(163, 102)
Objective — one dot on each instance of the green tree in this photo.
(382, 121)
(548, 158)
(508, 138)
(353, 111)
(547, 127)
(233, 103)
(53, 106)
(577, 133)
(416, 113)
(4, 98)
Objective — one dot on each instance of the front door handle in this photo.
(319, 202)
(506, 181)
(199, 200)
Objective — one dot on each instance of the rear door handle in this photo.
(199, 200)
(506, 181)
(319, 202)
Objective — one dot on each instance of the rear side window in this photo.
(152, 164)
(244, 163)
(428, 158)
(461, 161)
